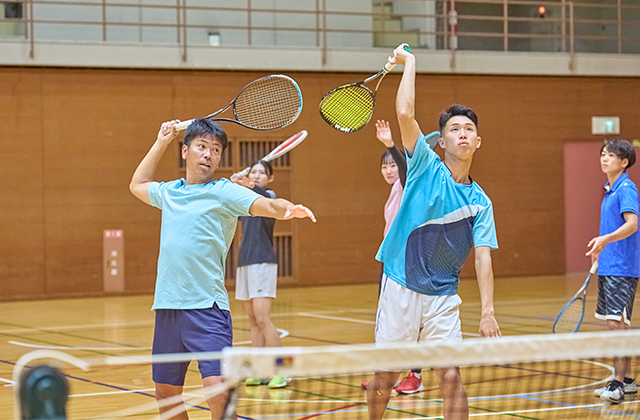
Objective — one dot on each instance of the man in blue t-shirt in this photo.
(199, 217)
(617, 251)
(443, 215)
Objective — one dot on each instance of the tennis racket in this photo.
(265, 104)
(571, 316)
(284, 147)
(348, 108)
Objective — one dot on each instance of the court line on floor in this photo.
(283, 333)
(360, 321)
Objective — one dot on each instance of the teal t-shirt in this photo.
(437, 225)
(198, 224)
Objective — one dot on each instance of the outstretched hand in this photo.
(383, 133)
(299, 211)
(168, 131)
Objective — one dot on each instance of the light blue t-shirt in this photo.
(619, 258)
(198, 224)
(438, 223)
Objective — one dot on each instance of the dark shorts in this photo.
(615, 297)
(189, 331)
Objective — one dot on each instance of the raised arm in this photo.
(145, 173)
(484, 271)
(405, 100)
(280, 209)
(383, 134)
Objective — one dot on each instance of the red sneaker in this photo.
(410, 384)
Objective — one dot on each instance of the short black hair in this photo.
(205, 128)
(455, 110)
(621, 148)
(265, 164)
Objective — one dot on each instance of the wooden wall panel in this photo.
(73, 138)
(21, 205)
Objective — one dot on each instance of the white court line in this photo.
(79, 327)
(98, 394)
(38, 346)
(335, 318)
(283, 334)
(359, 321)
(7, 381)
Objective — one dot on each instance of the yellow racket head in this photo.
(348, 108)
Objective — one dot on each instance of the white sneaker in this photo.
(629, 389)
(613, 394)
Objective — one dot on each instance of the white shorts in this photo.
(404, 315)
(256, 280)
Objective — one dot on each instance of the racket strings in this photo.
(348, 108)
(570, 319)
(272, 102)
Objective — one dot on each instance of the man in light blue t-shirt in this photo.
(199, 217)
(444, 214)
(617, 250)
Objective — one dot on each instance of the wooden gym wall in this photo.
(71, 139)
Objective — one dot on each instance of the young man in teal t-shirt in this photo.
(443, 215)
(199, 217)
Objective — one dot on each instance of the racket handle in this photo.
(246, 171)
(183, 125)
(388, 67)
(594, 267)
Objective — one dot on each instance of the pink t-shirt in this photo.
(392, 205)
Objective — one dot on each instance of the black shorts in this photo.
(615, 297)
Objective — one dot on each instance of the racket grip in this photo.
(594, 267)
(388, 67)
(183, 125)
(246, 171)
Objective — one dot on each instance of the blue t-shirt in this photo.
(438, 223)
(198, 224)
(619, 258)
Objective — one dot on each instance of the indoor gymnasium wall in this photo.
(73, 137)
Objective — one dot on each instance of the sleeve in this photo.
(401, 161)
(628, 199)
(236, 198)
(484, 229)
(422, 156)
(155, 194)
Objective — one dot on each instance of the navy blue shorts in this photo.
(615, 297)
(189, 331)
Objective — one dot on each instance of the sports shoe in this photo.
(278, 382)
(614, 393)
(252, 382)
(629, 388)
(410, 384)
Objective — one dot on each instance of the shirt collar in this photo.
(616, 184)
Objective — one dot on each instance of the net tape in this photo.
(242, 362)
